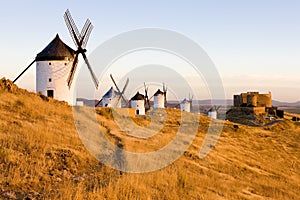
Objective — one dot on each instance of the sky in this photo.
(255, 45)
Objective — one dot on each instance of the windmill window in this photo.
(50, 79)
(49, 63)
(65, 63)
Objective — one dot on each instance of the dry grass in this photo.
(42, 157)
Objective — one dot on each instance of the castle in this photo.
(253, 103)
(253, 99)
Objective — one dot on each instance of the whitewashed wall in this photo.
(139, 105)
(185, 106)
(212, 114)
(112, 102)
(58, 72)
(159, 101)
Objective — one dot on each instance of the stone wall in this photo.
(252, 99)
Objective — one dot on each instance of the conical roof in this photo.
(213, 109)
(56, 50)
(158, 92)
(138, 96)
(110, 93)
(185, 101)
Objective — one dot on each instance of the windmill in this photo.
(113, 97)
(147, 101)
(213, 111)
(165, 89)
(138, 103)
(56, 63)
(80, 40)
(159, 99)
(123, 91)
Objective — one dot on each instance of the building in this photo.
(53, 65)
(252, 99)
(138, 103)
(185, 105)
(253, 102)
(159, 99)
(112, 98)
(213, 112)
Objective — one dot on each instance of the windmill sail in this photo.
(80, 40)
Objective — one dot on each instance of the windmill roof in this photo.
(111, 93)
(158, 92)
(184, 101)
(212, 109)
(56, 50)
(138, 96)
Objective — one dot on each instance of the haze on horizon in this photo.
(254, 45)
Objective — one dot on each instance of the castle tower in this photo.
(53, 65)
(265, 100)
(252, 100)
(237, 100)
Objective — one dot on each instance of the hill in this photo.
(286, 104)
(42, 157)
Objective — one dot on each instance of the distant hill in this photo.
(287, 104)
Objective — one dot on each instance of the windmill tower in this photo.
(138, 103)
(213, 112)
(159, 99)
(185, 105)
(113, 98)
(53, 65)
(56, 64)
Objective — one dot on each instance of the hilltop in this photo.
(42, 157)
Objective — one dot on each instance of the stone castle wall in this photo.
(252, 99)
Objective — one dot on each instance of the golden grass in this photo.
(42, 157)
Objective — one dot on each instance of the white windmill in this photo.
(159, 99)
(111, 99)
(56, 64)
(185, 105)
(213, 112)
(114, 98)
(53, 66)
(138, 103)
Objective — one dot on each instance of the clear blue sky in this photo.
(255, 45)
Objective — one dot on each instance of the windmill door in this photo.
(50, 93)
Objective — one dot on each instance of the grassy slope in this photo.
(42, 156)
